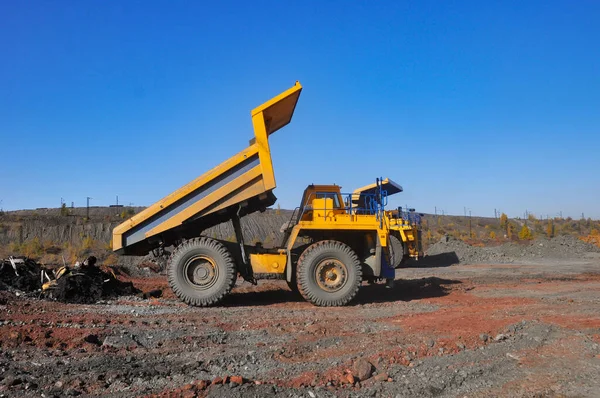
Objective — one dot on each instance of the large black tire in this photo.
(396, 248)
(201, 272)
(328, 273)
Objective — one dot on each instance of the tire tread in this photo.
(229, 268)
(304, 284)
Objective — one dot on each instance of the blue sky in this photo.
(476, 104)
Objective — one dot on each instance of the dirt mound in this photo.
(561, 247)
(81, 284)
(24, 275)
(465, 253)
(87, 286)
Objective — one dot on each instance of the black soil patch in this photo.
(26, 277)
(89, 285)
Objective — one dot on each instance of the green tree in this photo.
(63, 210)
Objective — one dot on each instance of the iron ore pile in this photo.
(540, 249)
(83, 282)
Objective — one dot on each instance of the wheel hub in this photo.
(201, 272)
(331, 275)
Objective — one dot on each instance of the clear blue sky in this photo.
(480, 104)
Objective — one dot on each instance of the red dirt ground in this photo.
(438, 320)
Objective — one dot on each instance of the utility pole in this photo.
(470, 224)
(87, 210)
(117, 200)
(495, 214)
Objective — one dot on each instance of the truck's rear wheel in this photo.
(201, 272)
(329, 273)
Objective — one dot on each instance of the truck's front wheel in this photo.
(201, 272)
(329, 273)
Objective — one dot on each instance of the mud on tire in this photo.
(201, 272)
(328, 273)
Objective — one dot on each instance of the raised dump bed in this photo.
(241, 185)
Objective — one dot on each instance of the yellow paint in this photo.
(266, 119)
(268, 263)
(321, 214)
(205, 202)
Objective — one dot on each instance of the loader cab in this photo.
(321, 200)
(368, 199)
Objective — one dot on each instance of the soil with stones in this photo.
(450, 250)
(529, 330)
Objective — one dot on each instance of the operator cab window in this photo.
(332, 195)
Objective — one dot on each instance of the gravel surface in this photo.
(509, 330)
(452, 251)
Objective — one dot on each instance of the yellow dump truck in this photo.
(333, 242)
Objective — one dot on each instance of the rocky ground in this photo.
(450, 250)
(517, 330)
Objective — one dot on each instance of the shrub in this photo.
(504, 222)
(525, 233)
(64, 211)
(550, 229)
(510, 230)
(87, 243)
(492, 235)
(32, 248)
(14, 247)
(126, 213)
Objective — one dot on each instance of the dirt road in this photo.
(478, 331)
